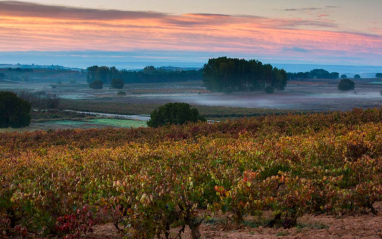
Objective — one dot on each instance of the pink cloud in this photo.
(36, 27)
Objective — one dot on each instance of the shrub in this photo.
(96, 84)
(344, 76)
(14, 111)
(268, 89)
(378, 75)
(117, 84)
(346, 84)
(121, 93)
(357, 76)
(174, 113)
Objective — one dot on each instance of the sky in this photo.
(188, 33)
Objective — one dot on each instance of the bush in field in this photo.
(268, 89)
(357, 76)
(344, 76)
(96, 84)
(378, 75)
(14, 111)
(117, 84)
(346, 85)
(174, 113)
(121, 93)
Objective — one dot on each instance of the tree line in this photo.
(313, 74)
(232, 74)
(149, 74)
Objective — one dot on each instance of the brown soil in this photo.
(310, 226)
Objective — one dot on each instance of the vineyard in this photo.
(148, 181)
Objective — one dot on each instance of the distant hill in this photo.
(40, 67)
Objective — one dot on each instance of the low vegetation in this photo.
(121, 93)
(346, 85)
(40, 99)
(96, 84)
(269, 89)
(117, 83)
(149, 180)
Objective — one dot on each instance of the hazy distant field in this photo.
(313, 95)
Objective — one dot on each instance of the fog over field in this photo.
(315, 96)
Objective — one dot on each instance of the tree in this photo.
(357, 76)
(334, 75)
(14, 111)
(378, 75)
(91, 75)
(102, 73)
(174, 113)
(96, 84)
(346, 85)
(344, 76)
(149, 70)
(320, 74)
(117, 83)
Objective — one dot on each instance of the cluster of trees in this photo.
(14, 111)
(149, 74)
(232, 74)
(314, 74)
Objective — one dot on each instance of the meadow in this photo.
(146, 182)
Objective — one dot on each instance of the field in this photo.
(58, 119)
(265, 175)
(314, 95)
(280, 168)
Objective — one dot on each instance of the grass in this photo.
(121, 123)
(282, 234)
(78, 123)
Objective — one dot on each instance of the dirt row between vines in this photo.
(310, 226)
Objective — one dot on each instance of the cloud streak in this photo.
(34, 27)
(23, 9)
